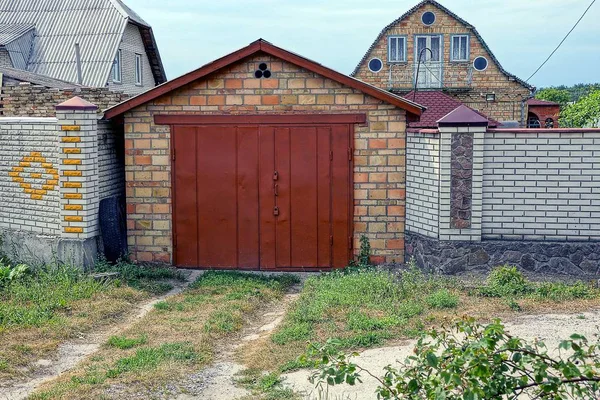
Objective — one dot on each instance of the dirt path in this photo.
(72, 352)
(551, 328)
(217, 380)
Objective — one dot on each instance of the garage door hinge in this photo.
(173, 155)
(349, 153)
(331, 240)
(350, 243)
(331, 155)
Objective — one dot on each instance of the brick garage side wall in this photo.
(27, 100)
(541, 185)
(111, 162)
(29, 187)
(509, 94)
(379, 156)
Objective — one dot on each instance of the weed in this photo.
(513, 305)
(162, 306)
(264, 386)
(442, 298)
(410, 308)
(581, 316)
(301, 331)
(148, 278)
(506, 282)
(123, 343)
(149, 358)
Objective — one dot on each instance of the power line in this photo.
(562, 41)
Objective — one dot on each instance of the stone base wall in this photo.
(566, 258)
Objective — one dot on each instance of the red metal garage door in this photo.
(269, 197)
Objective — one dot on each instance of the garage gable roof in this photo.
(268, 48)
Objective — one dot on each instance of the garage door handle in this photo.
(276, 211)
(276, 190)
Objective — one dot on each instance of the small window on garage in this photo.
(460, 48)
(397, 49)
(116, 72)
(138, 69)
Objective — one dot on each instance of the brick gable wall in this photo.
(509, 94)
(379, 155)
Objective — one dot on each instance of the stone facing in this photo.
(461, 188)
(567, 258)
(379, 149)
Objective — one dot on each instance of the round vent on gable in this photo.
(262, 71)
(480, 63)
(428, 18)
(375, 65)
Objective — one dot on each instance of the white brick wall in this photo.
(29, 146)
(131, 45)
(474, 232)
(542, 186)
(422, 183)
(111, 164)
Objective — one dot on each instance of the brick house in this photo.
(454, 59)
(542, 114)
(95, 43)
(264, 159)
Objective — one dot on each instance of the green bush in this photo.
(506, 282)
(442, 299)
(471, 362)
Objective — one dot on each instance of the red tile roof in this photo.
(538, 102)
(438, 106)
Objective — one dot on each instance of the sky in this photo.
(337, 33)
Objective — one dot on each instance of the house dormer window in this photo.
(116, 72)
(397, 49)
(460, 48)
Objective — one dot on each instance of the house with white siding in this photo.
(93, 43)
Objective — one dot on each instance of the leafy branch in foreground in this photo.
(472, 361)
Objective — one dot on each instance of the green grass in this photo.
(263, 386)
(123, 343)
(361, 309)
(509, 283)
(151, 357)
(39, 298)
(150, 279)
(441, 299)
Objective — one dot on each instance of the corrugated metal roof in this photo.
(11, 32)
(97, 25)
(42, 80)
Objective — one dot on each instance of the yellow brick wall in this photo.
(509, 93)
(379, 155)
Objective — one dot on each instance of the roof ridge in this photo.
(268, 48)
(452, 14)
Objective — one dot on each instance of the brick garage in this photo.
(297, 90)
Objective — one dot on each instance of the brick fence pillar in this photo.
(78, 178)
(461, 175)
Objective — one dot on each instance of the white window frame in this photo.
(138, 70)
(404, 45)
(452, 48)
(117, 71)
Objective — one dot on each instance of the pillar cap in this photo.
(77, 103)
(463, 116)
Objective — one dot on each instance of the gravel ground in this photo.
(551, 328)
